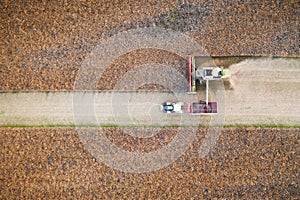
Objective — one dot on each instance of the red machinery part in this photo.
(189, 108)
(190, 73)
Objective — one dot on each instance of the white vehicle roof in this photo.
(177, 107)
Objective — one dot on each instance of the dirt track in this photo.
(264, 91)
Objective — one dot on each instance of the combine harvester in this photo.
(204, 74)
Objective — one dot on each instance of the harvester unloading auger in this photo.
(204, 74)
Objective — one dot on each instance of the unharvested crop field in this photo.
(44, 43)
(246, 163)
(42, 46)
